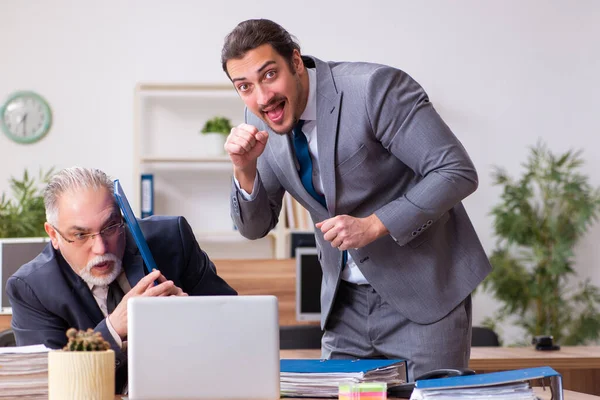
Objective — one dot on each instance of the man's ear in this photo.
(52, 233)
(297, 61)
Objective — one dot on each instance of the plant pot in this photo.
(214, 143)
(79, 375)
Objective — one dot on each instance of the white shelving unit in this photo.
(192, 174)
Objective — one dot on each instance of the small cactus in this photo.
(85, 341)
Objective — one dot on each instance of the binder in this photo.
(489, 380)
(322, 378)
(134, 227)
(316, 366)
(147, 195)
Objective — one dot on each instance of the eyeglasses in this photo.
(80, 239)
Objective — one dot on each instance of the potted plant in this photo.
(538, 222)
(83, 369)
(217, 129)
(23, 214)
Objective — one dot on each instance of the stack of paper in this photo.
(506, 385)
(24, 372)
(321, 378)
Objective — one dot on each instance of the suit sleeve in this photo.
(32, 323)
(257, 216)
(200, 274)
(408, 126)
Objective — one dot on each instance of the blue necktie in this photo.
(305, 162)
(303, 156)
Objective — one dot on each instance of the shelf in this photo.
(226, 235)
(220, 163)
(187, 160)
(192, 175)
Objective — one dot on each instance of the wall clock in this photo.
(25, 117)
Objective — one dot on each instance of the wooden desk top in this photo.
(498, 358)
(569, 395)
(568, 357)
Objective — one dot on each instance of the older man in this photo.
(84, 277)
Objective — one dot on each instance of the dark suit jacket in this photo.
(48, 297)
(382, 149)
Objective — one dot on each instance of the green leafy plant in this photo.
(538, 222)
(217, 125)
(80, 340)
(24, 214)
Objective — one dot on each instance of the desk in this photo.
(578, 365)
(568, 395)
(5, 321)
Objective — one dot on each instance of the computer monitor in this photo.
(308, 284)
(301, 239)
(13, 254)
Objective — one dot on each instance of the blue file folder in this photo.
(134, 227)
(496, 378)
(147, 195)
(315, 366)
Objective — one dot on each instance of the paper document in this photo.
(24, 372)
(321, 378)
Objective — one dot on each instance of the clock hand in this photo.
(25, 124)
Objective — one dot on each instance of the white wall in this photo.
(502, 74)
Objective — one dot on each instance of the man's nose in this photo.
(98, 244)
(263, 96)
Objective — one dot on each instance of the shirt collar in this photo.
(310, 112)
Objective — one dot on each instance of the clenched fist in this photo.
(244, 145)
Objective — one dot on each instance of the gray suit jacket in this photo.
(383, 149)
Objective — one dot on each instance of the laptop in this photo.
(203, 347)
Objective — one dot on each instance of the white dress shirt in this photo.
(351, 273)
(100, 294)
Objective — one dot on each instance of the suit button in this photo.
(429, 222)
(414, 233)
(117, 362)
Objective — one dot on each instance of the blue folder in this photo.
(496, 378)
(316, 366)
(134, 227)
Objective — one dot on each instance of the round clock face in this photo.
(25, 117)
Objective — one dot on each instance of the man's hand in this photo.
(145, 287)
(244, 145)
(346, 232)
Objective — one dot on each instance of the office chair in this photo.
(7, 338)
(300, 337)
(482, 336)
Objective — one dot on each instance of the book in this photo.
(134, 227)
(147, 195)
(321, 378)
(509, 385)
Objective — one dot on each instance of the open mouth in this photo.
(274, 113)
(102, 267)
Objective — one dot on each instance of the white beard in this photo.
(104, 280)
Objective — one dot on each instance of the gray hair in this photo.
(70, 179)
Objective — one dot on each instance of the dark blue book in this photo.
(134, 227)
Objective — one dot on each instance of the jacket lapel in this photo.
(328, 112)
(284, 156)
